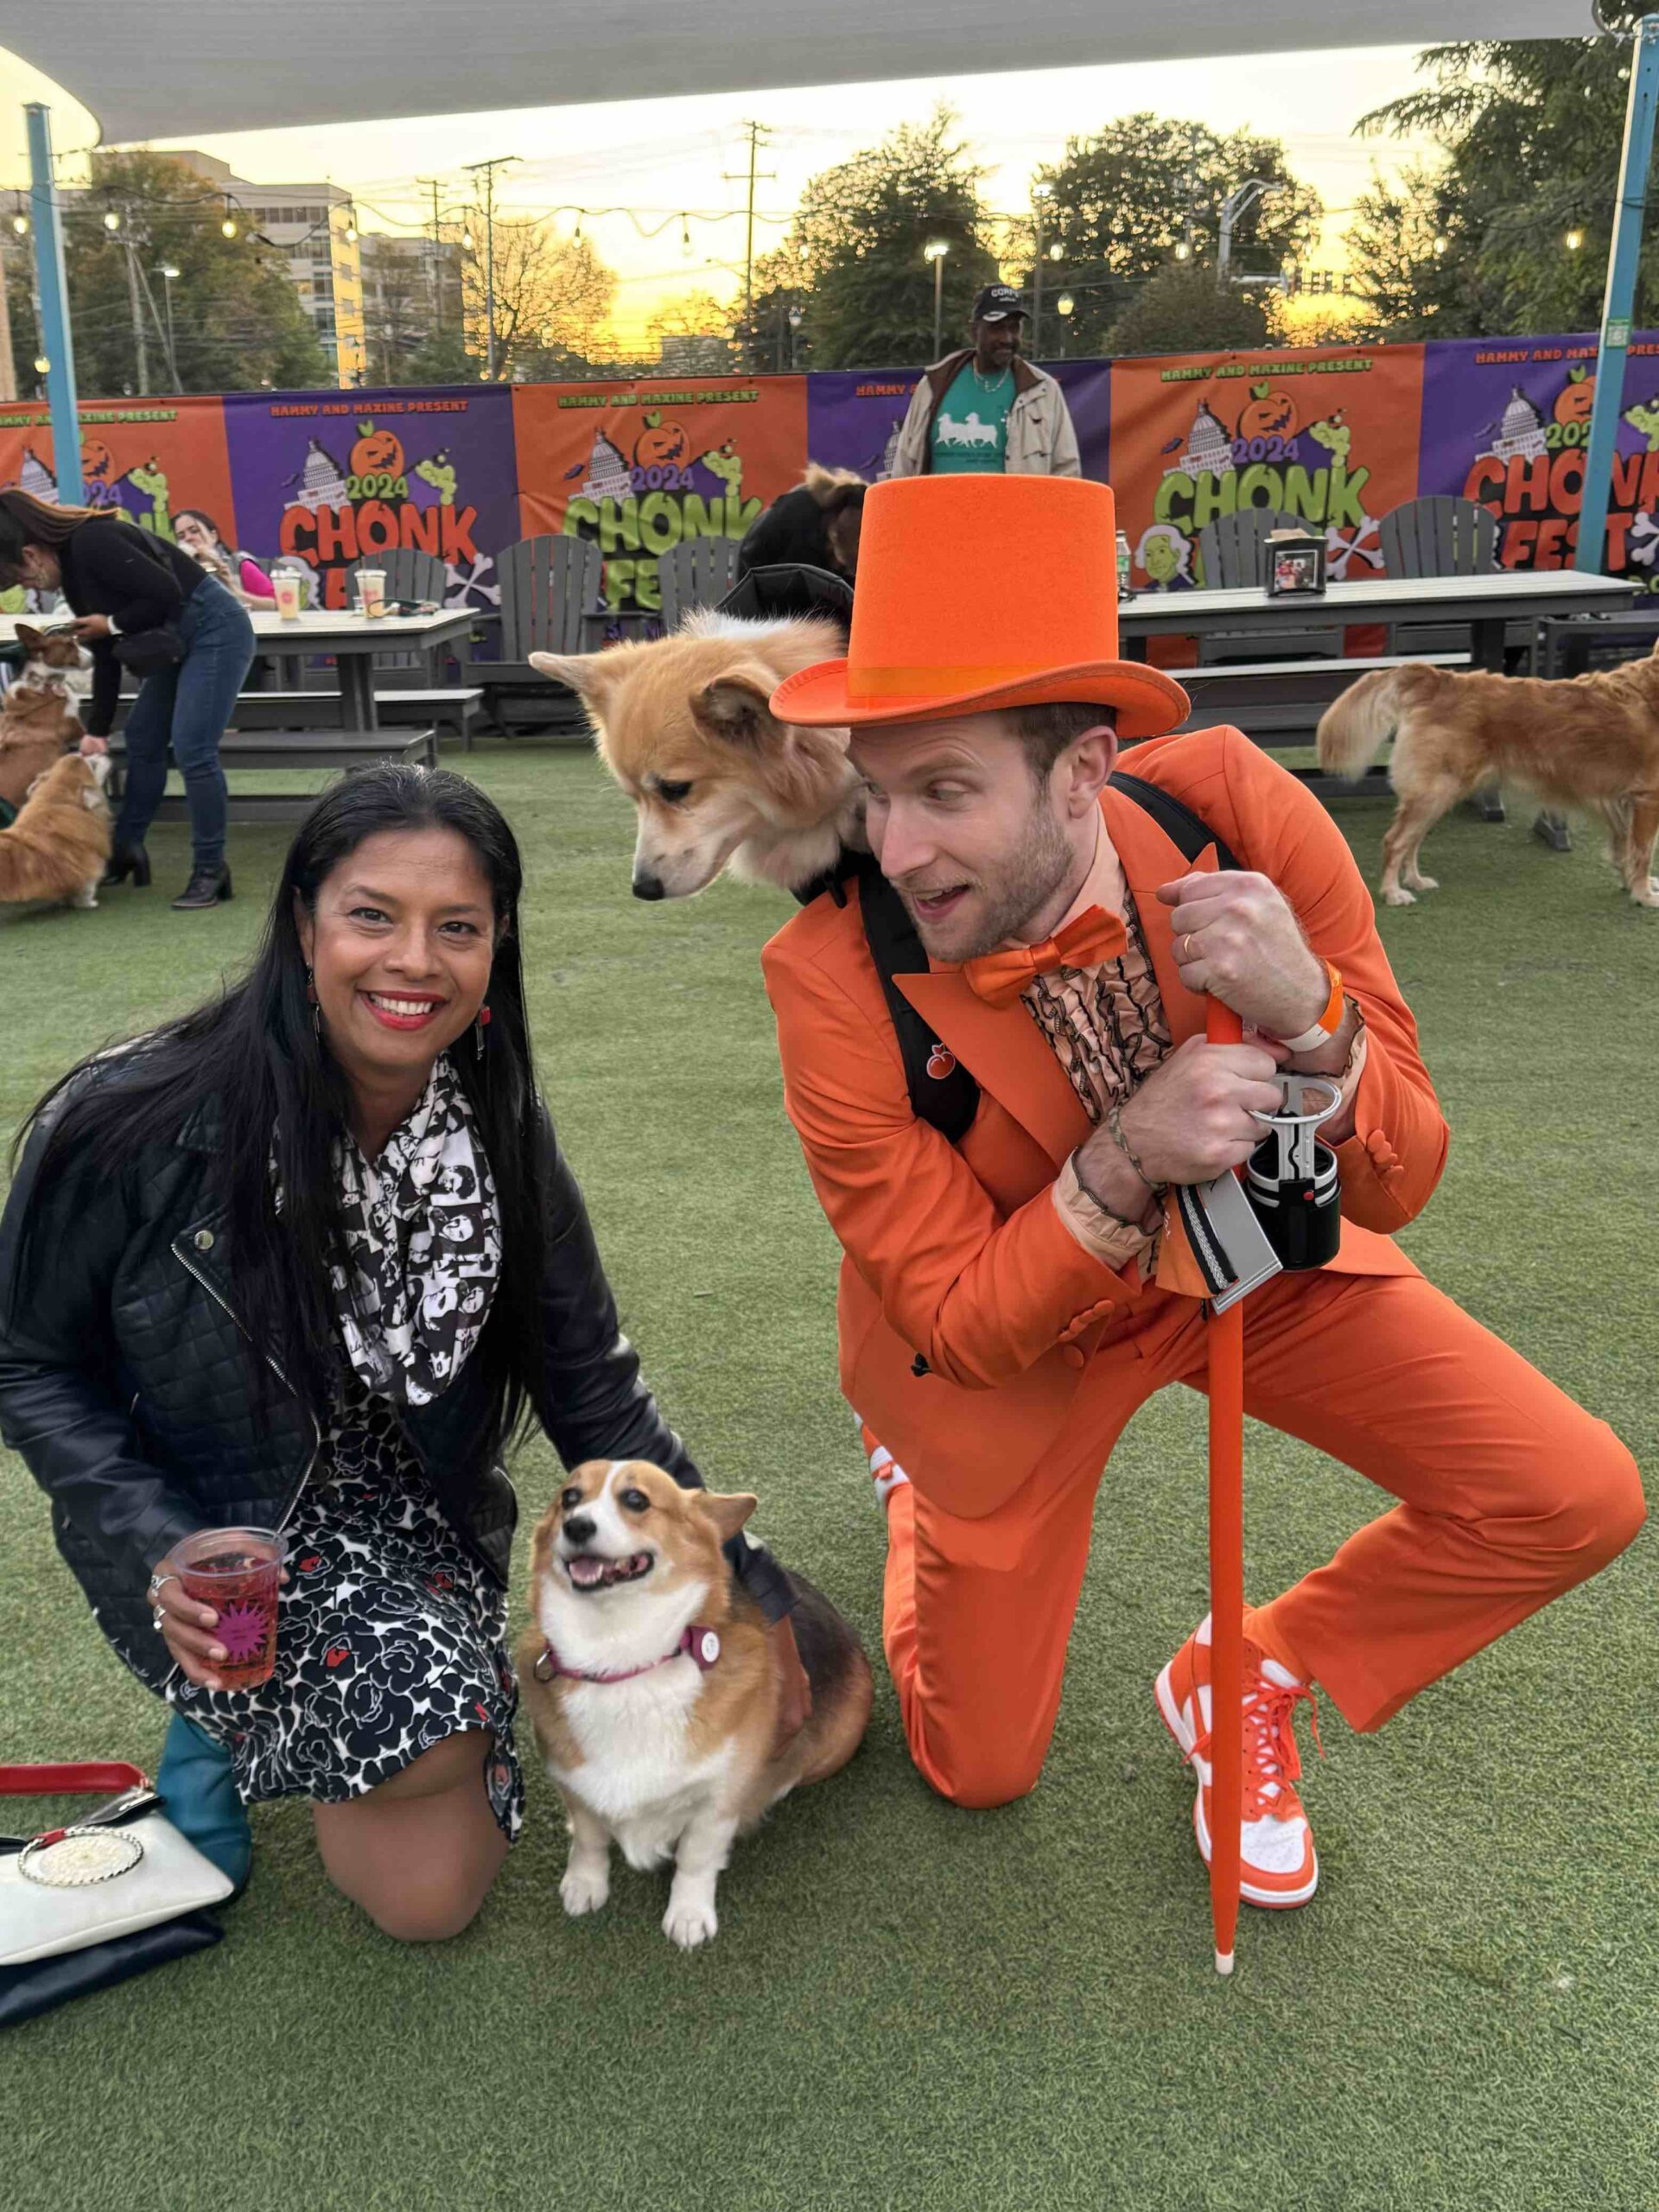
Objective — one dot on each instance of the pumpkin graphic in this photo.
(1576, 396)
(376, 453)
(97, 462)
(661, 445)
(1270, 414)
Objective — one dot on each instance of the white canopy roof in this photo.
(170, 68)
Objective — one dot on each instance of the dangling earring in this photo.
(479, 1028)
(316, 1011)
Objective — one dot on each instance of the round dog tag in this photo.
(708, 1648)
(73, 1858)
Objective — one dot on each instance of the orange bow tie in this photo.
(999, 977)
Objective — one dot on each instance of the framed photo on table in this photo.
(1295, 566)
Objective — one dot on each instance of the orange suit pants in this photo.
(1507, 1495)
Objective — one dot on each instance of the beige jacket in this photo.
(1041, 440)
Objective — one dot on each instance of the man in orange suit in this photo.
(1008, 1300)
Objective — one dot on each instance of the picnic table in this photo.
(352, 638)
(1486, 603)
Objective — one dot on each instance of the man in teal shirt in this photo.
(985, 410)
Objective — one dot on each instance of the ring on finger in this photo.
(1186, 946)
(159, 1620)
(155, 1583)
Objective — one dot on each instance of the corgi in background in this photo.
(39, 716)
(58, 846)
(718, 782)
(649, 1678)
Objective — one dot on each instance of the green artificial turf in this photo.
(909, 2007)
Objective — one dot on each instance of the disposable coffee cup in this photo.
(371, 592)
(239, 1573)
(286, 585)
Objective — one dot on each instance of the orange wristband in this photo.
(1328, 1023)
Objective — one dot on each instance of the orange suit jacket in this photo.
(955, 1252)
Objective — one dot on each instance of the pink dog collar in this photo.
(700, 1645)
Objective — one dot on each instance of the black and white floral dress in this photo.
(392, 1635)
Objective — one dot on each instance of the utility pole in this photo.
(489, 168)
(435, 186)
(759, 132)
(1041, 195)
(131, 253)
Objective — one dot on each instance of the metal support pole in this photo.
(142, 350)
(1619, 302)
(1037, 280)
(53, 284)
(938, 305)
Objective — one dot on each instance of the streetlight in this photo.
(1183, 251)
(1039, 194)
(111, 219)
(1235, 205)
(1066, 305)
(1440, 246)
(1574, 240)
(935, 252)
(796, 319)
(168, 272)
(227, 228)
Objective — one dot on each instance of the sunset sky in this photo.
(658, 157)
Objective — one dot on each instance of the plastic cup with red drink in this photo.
(239, 1573)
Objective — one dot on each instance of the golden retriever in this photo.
(1587, 742)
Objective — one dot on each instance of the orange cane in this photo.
(1226, 1352)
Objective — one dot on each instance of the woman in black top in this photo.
(311, 1257)
(197, 646)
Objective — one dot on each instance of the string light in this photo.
(1064, 304)
(1056, 251)
(1440, 245)
(1574, 240)
(1183, 251)
(43, 367)
(111, 219)
(228, 227)
(19, 223)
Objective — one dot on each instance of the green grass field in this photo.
(911, 2008)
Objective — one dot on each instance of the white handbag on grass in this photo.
(107, 1897)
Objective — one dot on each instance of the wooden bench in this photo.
(456, 708)
(1279, 702)
(334, 749)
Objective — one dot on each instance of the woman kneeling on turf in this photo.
(308, 1259)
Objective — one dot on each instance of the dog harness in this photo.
(700, 1645)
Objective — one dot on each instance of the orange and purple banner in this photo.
(1507, 421)
(154, 459)
(640, 466)
(1325, 434)
(325, 479)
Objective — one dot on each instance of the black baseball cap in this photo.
(996, 303)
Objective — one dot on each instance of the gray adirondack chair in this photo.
(1440, 536)
(412, 574)
(1232, 557)
(550, 603)
(697, 573)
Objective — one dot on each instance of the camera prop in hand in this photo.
(1291, 1178)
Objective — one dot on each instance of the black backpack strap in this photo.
(1186, 830)
(942, 1091)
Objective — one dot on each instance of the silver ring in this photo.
(1186, 946)
(156, 1581)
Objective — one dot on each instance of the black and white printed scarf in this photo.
(422, 1247)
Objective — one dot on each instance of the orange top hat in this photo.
(980, 592)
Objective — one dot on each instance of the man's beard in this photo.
(1020, 887)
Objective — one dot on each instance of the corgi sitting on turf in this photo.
(650, 1681)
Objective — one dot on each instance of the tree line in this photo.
(1503, 230)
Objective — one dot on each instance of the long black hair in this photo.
(250, 1060)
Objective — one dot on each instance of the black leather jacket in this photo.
(124, 1384)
